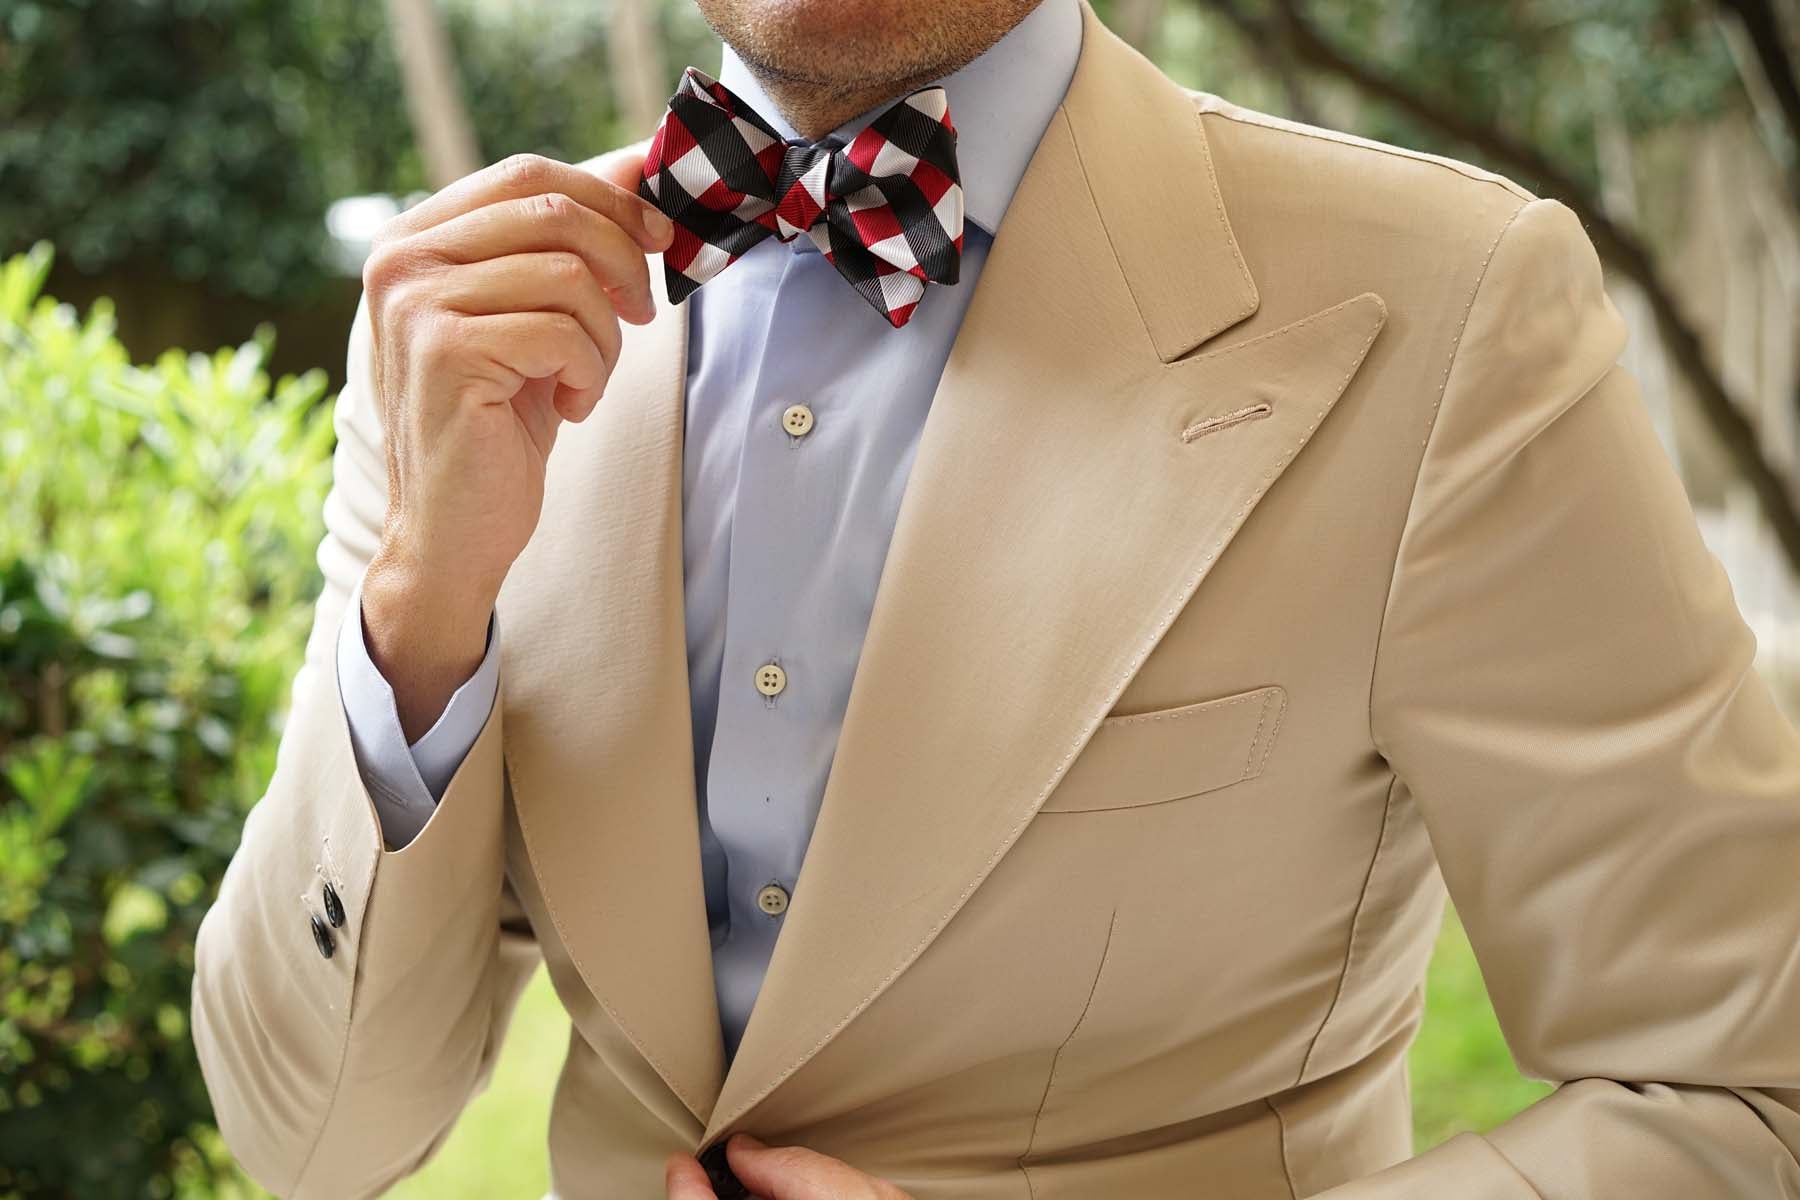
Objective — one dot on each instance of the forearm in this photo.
(1596, 1137)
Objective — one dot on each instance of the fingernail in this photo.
(751, 1141)
(657, 225)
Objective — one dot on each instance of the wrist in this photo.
(425, 635)
(419, 605)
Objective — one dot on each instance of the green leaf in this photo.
(133, 910)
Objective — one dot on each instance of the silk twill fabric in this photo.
(886, 210)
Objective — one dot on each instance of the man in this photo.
(1235, 532)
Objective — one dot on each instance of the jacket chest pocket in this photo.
(1169, 754)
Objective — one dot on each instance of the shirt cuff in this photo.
(406, 781)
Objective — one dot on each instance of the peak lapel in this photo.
(1055, 522)
(599, 734)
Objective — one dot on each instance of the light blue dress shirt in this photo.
(784, 534)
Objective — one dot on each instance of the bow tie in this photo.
(886, 209)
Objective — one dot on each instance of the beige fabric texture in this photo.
(1284, 547)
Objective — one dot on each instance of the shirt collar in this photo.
(1001, 103)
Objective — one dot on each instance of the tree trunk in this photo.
(639, 83)
(440, 118)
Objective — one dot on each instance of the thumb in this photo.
(786, 1172)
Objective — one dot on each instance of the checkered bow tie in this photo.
(886, 209)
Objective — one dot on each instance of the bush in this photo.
(203, 139)
(156, 528)
(192, 137)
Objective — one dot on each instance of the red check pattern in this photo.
(886, 209)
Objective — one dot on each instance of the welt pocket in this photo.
(1140, 759)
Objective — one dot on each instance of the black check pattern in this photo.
(886, 209)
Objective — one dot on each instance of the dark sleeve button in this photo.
(334, 908)
(322, 937)
(724, 1182)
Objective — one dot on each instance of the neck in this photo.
(814, 109)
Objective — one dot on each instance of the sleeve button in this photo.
(322, 937)
(334, 908)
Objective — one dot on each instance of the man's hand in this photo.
(777, 1173)
(495, 308)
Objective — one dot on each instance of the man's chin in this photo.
(850, 44)
(830, 19)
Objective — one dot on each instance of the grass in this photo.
(1462, 1073)
(1463, 1078)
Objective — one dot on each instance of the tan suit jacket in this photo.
(1283, 546)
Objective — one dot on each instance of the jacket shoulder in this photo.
(1249, 131)
(1319, 214)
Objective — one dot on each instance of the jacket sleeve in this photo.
(1565, 687)
(335, 1075)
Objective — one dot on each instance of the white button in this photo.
(797, 419)
(770, 679)
(772, 899)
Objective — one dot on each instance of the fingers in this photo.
(526, 175)
(539, 224)
(552, 281)
(685, 1179)
(505, 350)
(796, 1173)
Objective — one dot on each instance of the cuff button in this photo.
(334, 908)
(322, 937)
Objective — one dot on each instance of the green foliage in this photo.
(1547, 72)
(204, 138)
(156, 584)
(1550, 74)
(535, 77)
(188, 136)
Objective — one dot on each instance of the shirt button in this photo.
(772, 899)
(797, 419)
(770, 679)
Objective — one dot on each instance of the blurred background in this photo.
(186, 175)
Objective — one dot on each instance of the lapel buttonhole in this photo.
(1225, 420)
